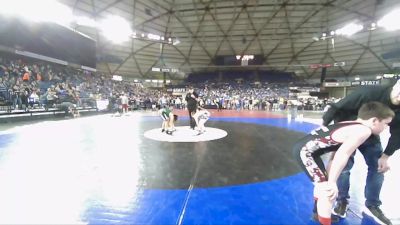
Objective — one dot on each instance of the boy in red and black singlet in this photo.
(342, 139)
(319, 142)
(376, 158)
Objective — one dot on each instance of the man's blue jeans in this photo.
(372, 151)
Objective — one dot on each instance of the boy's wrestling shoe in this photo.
(378, 215)
(162, 131)
(200, 132)
(169, 132)
(340, 209)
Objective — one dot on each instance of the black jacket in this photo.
(191, 102)
(347, 109)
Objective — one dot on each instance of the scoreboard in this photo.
(236, 60)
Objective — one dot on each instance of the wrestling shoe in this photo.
(340, 209)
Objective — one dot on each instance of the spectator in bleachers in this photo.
(33, 99)
(124, 103)
(3, 88)
(51, 97)
(26, 77)
(16, 98)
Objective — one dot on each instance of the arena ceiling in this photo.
(282, 31)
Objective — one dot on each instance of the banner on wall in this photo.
(366, 83)
(177, 91)
(337, 84)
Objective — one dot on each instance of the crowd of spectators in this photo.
(27, 83)
(256, 96)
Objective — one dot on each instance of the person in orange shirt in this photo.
(26, 76)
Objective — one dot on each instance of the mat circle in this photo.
(185, 134)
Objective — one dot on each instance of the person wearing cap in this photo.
(375, 158)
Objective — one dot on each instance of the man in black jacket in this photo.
(346, 109)
(191, 99)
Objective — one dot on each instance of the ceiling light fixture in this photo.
(390, 21)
